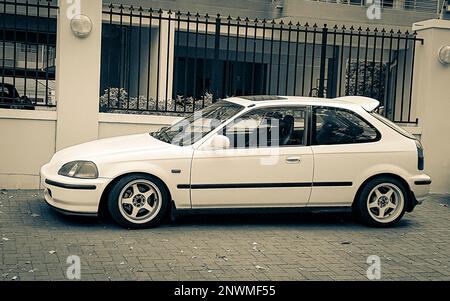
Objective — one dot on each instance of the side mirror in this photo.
(219, 142)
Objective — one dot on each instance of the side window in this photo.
(337, 126)
(268, 127)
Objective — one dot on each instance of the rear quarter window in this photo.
(339, 126)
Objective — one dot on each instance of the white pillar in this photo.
(432, 95)
(78, 75)
(166, 57)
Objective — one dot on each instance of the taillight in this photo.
(421, 160)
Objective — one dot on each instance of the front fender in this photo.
(162, 169)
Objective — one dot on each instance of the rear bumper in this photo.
(420, 188)
(72, 196)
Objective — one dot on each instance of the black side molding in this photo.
(332, 184)
(423, 182)
(70, 186)
(263, 185)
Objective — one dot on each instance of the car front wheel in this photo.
(382, 202)
(138, 201)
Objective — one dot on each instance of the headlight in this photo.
(79, 169)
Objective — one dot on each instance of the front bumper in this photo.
(72, 196)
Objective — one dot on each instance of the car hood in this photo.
(116, 147)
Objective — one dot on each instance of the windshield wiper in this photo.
(158, 133)
(167, 136)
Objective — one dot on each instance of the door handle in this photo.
(293, 160)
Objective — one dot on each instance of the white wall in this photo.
(112, 125)
(27, 141)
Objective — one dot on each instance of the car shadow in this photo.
(74, 220)
(211, 220)
(260, 219)
(304, 219)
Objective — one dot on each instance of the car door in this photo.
(343, 144)
(267, 164)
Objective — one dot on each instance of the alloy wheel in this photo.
(140, 201)
(385, 202)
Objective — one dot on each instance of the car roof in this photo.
(7, 86)
(369, 104)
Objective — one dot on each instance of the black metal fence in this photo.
(27, 53)
(156, 61)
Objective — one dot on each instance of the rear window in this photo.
(393, 125)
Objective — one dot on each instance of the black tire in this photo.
(119, 211)
(393, 216)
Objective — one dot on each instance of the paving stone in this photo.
(202, 247)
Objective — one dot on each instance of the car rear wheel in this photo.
(381, 202)
(138, 201)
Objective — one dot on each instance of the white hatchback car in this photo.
(248, 152)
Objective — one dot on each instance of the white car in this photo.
(248, 152)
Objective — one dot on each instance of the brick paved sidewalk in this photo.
(35, 243)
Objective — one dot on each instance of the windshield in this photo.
(198, 125)
(393, 125)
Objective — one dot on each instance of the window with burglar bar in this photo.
(27, 53)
